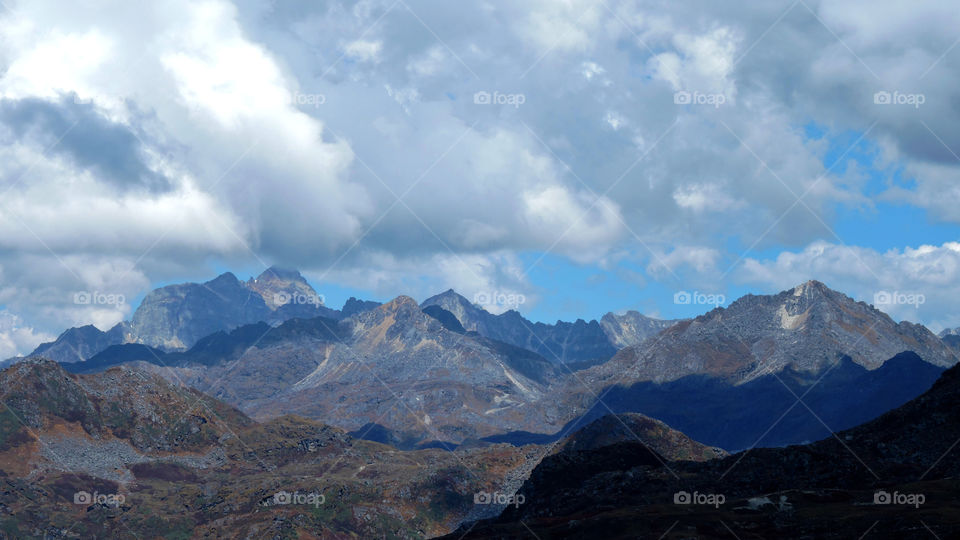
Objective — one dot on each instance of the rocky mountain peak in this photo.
(280, 287)
(400, 303)
(811, 287)
(279, 273)
(806, 328)
(226, 279)
(402, 312)
(949, 332)
(469, 315)
(353, 306)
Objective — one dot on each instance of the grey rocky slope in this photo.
(563, 342)
(394, 366)
(806, 328)
(950, 332)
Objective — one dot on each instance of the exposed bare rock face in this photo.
(807, 328)
(632, 328)
(176, 316)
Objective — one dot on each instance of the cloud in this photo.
(76, 131)
(14, 337)
(363, 51)
(347, 134)
(930, 272)
(496, 275)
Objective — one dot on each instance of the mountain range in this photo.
(424, 375)
(175, 317)
(127, 453)
(417, 395)
(852, 359)
(578, 343)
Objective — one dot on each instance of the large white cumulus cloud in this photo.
(151, 141)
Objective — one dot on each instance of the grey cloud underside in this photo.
(78, 132)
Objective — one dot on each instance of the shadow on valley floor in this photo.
(763, 412)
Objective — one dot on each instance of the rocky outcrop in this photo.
(632, 328)
(353, 306)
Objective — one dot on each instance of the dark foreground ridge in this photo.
(893, 477)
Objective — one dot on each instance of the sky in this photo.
(562, 157)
